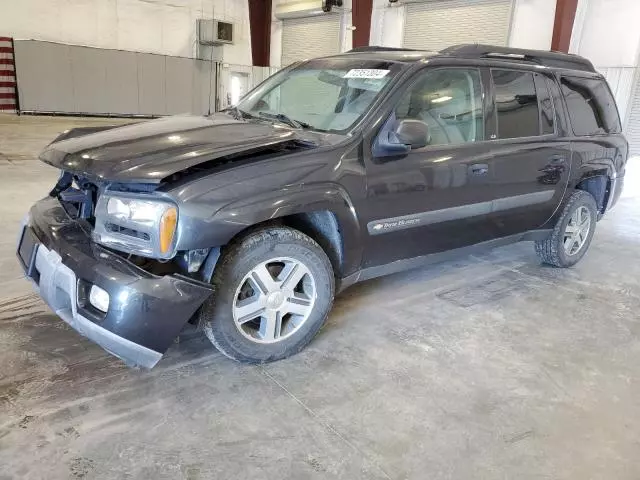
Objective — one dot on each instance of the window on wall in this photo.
(592, 108)
(449, 101)
(517, 108)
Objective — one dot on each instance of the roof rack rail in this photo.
(375, 48)
(549, 59)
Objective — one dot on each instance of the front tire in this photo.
(272, 293)
(572, 234)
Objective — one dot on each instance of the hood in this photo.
(149, 151)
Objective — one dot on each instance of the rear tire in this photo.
(572, 234)
(256, 313)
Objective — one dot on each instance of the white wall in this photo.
(387, 24)
(155, 26)
(607, 32)
(532, 24)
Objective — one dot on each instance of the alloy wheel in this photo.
(274, 300)
(577, 231)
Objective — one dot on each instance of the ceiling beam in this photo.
(563, 25)
(260, 31)
(361, 20)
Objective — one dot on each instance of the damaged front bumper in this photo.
(146, 312)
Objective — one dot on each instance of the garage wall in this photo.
(434, 25)
(102, 81)
(309, 36)
(532, 24)
(166, 27)
(615, 52)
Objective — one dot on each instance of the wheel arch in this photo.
(596, 178)
(324, 212)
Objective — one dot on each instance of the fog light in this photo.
(99, 298)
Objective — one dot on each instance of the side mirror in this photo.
(414, 133)
(398, 137)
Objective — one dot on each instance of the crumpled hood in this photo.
(150, 151)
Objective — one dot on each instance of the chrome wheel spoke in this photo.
(586, 223)
(248, 309)
(568, 244)
(270, 325)
(297, 305)
(570, 229)
(291, 275)
(263, 279)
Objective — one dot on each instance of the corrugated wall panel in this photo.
(36, 61)
(151, 91)
(632, 127)
(113, 82)
(310, 37)
(434, 25)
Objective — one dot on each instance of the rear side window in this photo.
(591, 106)
(516, 104)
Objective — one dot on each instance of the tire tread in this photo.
(548, 249)
(234, 252)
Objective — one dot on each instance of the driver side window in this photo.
(449, 102)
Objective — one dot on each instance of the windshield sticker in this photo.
(366, 73)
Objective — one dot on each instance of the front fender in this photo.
(237, 216)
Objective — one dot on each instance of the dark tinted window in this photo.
(449, 101)
(547, 112)
(516, 104)
(592, 108)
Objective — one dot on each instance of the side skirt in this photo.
(415, 262)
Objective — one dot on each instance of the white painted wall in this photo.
(387, 24)
(532, 24)
(154, 26)
(607, 33)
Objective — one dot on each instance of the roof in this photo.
(478, 51)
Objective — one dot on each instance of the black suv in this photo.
(332, 171)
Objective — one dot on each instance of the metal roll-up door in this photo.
(434, 25)
(632, 130)
(310, 37)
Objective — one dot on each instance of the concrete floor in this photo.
(488, 367)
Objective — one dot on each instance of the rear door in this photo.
(531, 158)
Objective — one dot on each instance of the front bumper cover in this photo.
(146, 312)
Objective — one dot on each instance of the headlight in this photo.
(142, 226)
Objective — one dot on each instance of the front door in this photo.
(437, 197)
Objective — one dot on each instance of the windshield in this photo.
(324, 94)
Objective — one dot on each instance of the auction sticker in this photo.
(366, 73)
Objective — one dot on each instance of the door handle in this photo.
(479, 169)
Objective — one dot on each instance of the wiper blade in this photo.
(281, 117)
(238, 114)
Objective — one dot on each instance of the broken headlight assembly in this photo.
(137, 225)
